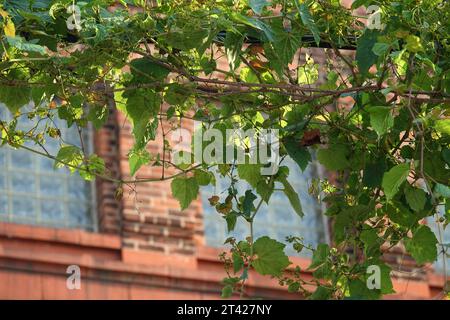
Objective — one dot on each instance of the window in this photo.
(277, 219)
(33, 192)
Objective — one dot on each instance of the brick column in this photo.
(106, 146)
(152, 219)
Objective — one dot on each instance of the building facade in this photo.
(137, 243)
(133, 241)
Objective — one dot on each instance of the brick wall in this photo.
(146, 248)
(109, 210)
(152, 219)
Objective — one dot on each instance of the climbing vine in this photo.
(374, 114)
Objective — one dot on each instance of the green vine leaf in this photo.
(23, 45)
(227, 291)
(250, 173)
(376, 120)
(185, 190)
(271, 259)
(141, 107)
(321, 293)
(14, 97)
(233, 44)
(145, 70)
(394, 178)
(320, 256)
(365, 57)
(307, 19)
(286, 44)
(334, 158)
(231, 219)
(257, 5)
(423, 245)
(358, 291)
(299, 154)
(416, 198)
(292, 196)
(138, 158)
(386, 282)
(247, 204)
(238, 262)
(70, 156)
(381, 119)
(443, 126)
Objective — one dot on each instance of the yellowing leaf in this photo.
(9, 28)
(413, 44)
(309, 72)
(443, 126)
(3, 13)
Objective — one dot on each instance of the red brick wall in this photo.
(147, 248)
(109, 210)
(33, 262)
(146, 215)
(152, 219)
